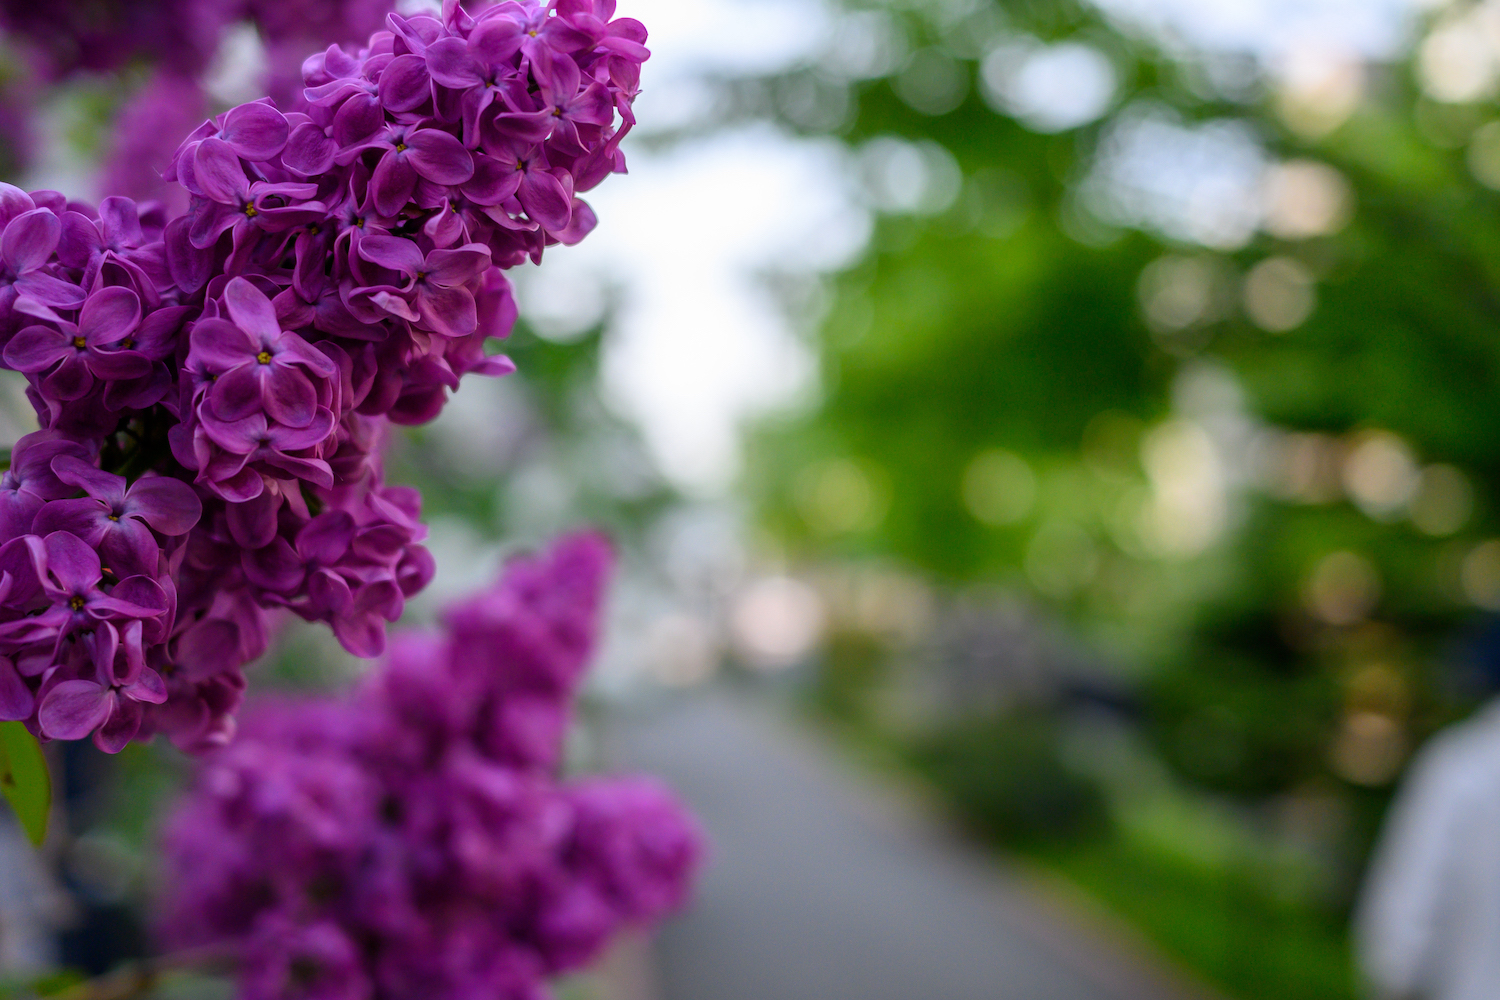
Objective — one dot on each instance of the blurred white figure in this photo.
(1428, 925)
(32, 906)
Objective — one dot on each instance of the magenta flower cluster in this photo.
(414, 841)
(180, 36)
(214, 389)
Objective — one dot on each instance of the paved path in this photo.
(824, 886)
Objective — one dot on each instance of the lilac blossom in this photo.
(258, 366)
(118, 521)
(434, 288)
(215, 382)
(392, 820)
(30, 481)
(75, 356)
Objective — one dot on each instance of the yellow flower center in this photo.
(264, 357)
(80, 343)
(76, 604)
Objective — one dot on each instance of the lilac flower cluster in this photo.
(181, 36)
(214, 389)
(414, 841)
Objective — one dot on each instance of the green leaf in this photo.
(24, 779)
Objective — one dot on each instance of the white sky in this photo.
(697, 344)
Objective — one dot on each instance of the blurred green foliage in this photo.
(1010, 783)
(1256, 472)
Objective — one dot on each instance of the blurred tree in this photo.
(1197, 349)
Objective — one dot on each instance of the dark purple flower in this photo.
(74, 357)
(386, 820)
(237, 204)
(118, 521)
(359, 284)
(235, 455)
(110, 705)
(411, 152)
(116, 236)
(257, 366)
(435, 292)
(309, 565)
(546, 196)
(635, 843)
(284, 961)
(481, 66)
(30, 481)
(571, 103)
(26, 246)
(73, 581)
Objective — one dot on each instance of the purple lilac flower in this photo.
(215, 385)
(106, 35)
(395, 821)
(30, 481)
(118, 521)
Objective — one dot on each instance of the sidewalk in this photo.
(822, 885)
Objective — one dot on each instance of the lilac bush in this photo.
(413, 840)
(214, 388)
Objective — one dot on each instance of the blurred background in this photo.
(1054, 451)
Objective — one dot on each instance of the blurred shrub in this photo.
(1007, 780)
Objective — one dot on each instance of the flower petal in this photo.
(308, 151)
(50, 291)
(275, 567)
(120, 221)
(326, 537)
(71, 381)
(219, 175)
(449, 63)
(16, 699)
(118, 366)
(71, 563)
(237, 393)
(128, 547)
(404, 83)
(545, 199)
(85, 517)
(448, 311)
(106, 487)
(392, 253)
(73, 709)
(251, 310)
(357, 120)
(255, 131)
(439, 157)
(219, 345)
(168, 505)
(287, 396)
(109, 315)
(253, 524)
(455, 267)
(29, 240)
(495, 40)
(37, 348)
(392, 182)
